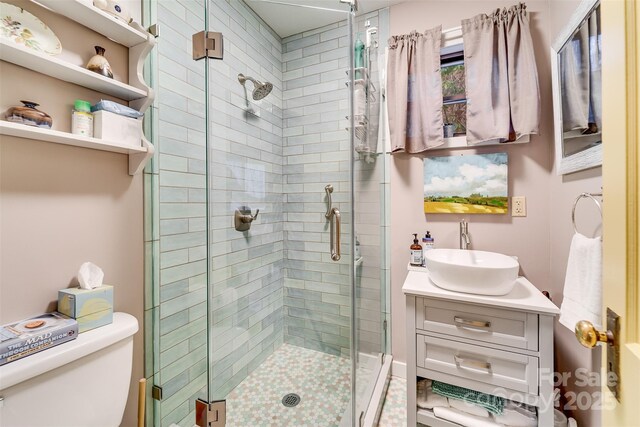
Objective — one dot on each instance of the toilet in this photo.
(81, 383)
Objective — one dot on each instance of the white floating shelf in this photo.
(138, 156)
(61, 70)
(83, 12)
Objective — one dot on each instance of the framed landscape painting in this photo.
(469, 184)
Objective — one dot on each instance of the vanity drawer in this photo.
(487, 324)
(472, 363)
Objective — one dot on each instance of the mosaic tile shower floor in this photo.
(394, 409)
(321, 380)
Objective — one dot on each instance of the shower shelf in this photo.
(93, 18)
(138, 156)
(62, 70)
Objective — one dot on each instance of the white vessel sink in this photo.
(470, 271)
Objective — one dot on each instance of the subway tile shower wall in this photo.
(316, 153)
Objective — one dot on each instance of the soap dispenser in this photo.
(416, 252)
(428, 242)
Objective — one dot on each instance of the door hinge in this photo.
(212, 414)
(156, 392)
(154, 30)
(207, 44)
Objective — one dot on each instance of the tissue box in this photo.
(29, 336)
(90, 307)
(117, 128)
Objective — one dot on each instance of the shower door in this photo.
(248, 306)
(280, 306)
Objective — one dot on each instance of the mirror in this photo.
(576, 59)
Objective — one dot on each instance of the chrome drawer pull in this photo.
(471, 323)
(473, 364)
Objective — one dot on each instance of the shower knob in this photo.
(243, 218)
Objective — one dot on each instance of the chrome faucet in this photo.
(465, 241)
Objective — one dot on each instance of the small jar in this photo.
(29, 115)
(82, 119)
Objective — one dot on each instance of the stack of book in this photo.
(29, 336)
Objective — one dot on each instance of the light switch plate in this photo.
(518, 206)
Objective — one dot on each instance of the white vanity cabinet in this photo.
(500, 345)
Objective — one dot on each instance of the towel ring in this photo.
(585, 196)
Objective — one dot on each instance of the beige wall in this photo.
(61, 206)
(529, 171)
(541, 239)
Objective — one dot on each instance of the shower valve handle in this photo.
(243, 218)
(248, 218)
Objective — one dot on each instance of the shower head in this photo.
(260, 90)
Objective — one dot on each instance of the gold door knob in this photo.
(589, 336)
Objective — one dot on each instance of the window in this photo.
(454, 109)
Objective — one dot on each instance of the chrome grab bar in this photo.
(328, 189)
(333, 215)
(335, 245)
(459, 321)
(472, 364)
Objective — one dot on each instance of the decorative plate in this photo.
(23, 28)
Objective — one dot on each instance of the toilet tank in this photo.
(81, 383)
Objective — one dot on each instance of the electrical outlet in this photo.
(519, 206)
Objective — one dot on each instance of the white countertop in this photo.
(524, 295)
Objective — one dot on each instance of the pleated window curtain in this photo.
(503, 96)
(580, 65)
(414, 91)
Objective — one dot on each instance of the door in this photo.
(620, 21)
(280, 307)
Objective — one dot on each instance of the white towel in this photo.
(468, 408)
(463, 419)
(517, 415)
(427, 399)
(583, 283)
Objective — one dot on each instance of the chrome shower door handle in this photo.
(335, 229)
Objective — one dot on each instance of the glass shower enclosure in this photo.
(265, 227)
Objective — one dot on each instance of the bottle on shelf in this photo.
(359, 56)
(81, 118)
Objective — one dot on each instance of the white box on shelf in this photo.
(116, 128)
